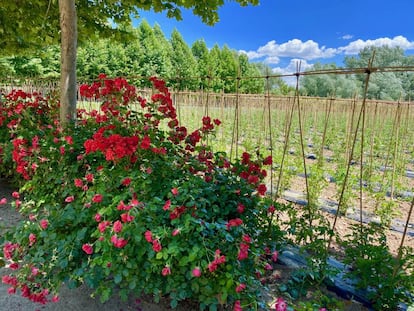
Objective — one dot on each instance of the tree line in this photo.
(398, 85)
(150, 53)
(196, 67)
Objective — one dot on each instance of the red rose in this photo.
(87, 248)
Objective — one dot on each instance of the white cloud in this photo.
(272, 60)
(299, 52)
(293, 65)
(250, 54)
(347, 37)
(292, 68)
(354, 47)
(271, 52)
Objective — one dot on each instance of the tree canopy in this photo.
(32, 24)
(29, 25)
(149, 53)
(382, 85)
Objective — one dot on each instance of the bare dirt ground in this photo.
(343, 224)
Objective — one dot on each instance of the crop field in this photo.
(339, 186)
(318, 146)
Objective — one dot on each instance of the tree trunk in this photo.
(69, 38)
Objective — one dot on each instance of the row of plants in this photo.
(131, 201)
(337, 134)
(329, 130)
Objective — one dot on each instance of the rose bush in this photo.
(23, 117)
(129, 200)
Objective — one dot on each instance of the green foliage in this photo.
(387, 279)
(312, 231)
(128, 200)
(184, 62)
(329, 84)
(320, 301)
(386, 86)
(148, 52)
(34, 24)
(155, 58)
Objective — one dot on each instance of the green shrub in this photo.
(387, 279)
(128, 201)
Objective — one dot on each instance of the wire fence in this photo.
(353, 158)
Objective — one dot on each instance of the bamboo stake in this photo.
(309, 204)
(288, 126)
(270, 133)
(400, 248)
(374, 122)
(350, 131)
(235, 136)
(325, 128)
(361, 157)
(368, 73)
(395, 151)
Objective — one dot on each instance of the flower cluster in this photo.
(20, 154)
(110, 89)
(253, 172)
(244, 248)
(129, 195)
(218, 260)
(114, 147)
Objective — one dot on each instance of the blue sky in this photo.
(281, 32)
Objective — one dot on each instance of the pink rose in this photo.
(87, 248)
(166, 271)
(148, 236)
(117, 226)
(196, 272)
(97, 198)
(156, 246)
(32, 239)
(70, 199)
(44, 224)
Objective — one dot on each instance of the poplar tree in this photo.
(183, 61)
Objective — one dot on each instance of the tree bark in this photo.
(69, 38)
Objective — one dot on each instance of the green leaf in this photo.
(224, 297)
(123, 293)
(132, 284)
(81, 234)
(63, 263)
(105, 295)
(183, 261)
(195, 287)
(118, 278)
(229, 238)
(229, 283)
(174, 303)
